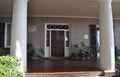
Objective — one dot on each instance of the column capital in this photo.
(105, 1)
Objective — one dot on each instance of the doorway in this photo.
(57, 40)
(57, 43)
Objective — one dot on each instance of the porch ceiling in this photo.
(60, 8)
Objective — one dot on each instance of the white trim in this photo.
(45, 41)
(56, 24)
(66, 16)
(46, 55)
(50, 44)
(5, 36)
(64, 42)
(61, 16)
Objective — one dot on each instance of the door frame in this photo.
(48, 49)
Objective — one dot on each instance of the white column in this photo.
(19, 32)
(107, 57)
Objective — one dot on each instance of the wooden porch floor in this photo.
(62, 65)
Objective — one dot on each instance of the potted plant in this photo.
(82, 52)
(30, 52)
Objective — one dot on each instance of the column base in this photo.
(109, 73)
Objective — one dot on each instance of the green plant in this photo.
(9, 66)
(30, 52)
(118, 67)
(82, 52)
(41, 51)
(85, 50)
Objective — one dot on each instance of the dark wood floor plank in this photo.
(62, 65)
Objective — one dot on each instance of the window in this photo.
(48, 38)
(57, 27)
(67, 38)
(7, 35)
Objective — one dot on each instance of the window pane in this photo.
(8, 34)
(67, 39)
(48, 38)
(57, 27)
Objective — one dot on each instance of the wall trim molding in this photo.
(60, 16)
(64, 16)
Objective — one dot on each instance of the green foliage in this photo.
(41, 51)
(41, 55)
(76, 46)
(30, 52)
(118, 67)
(82, 52)
(9, 66)
(118, 63)
(76, 55)
(85, 50)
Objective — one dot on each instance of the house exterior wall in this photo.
(78, 28)
(6, 19)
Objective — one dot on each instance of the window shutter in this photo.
(93, 40)
(2, 32)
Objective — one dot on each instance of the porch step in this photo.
(68, 74)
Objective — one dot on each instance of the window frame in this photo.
(6, 45)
